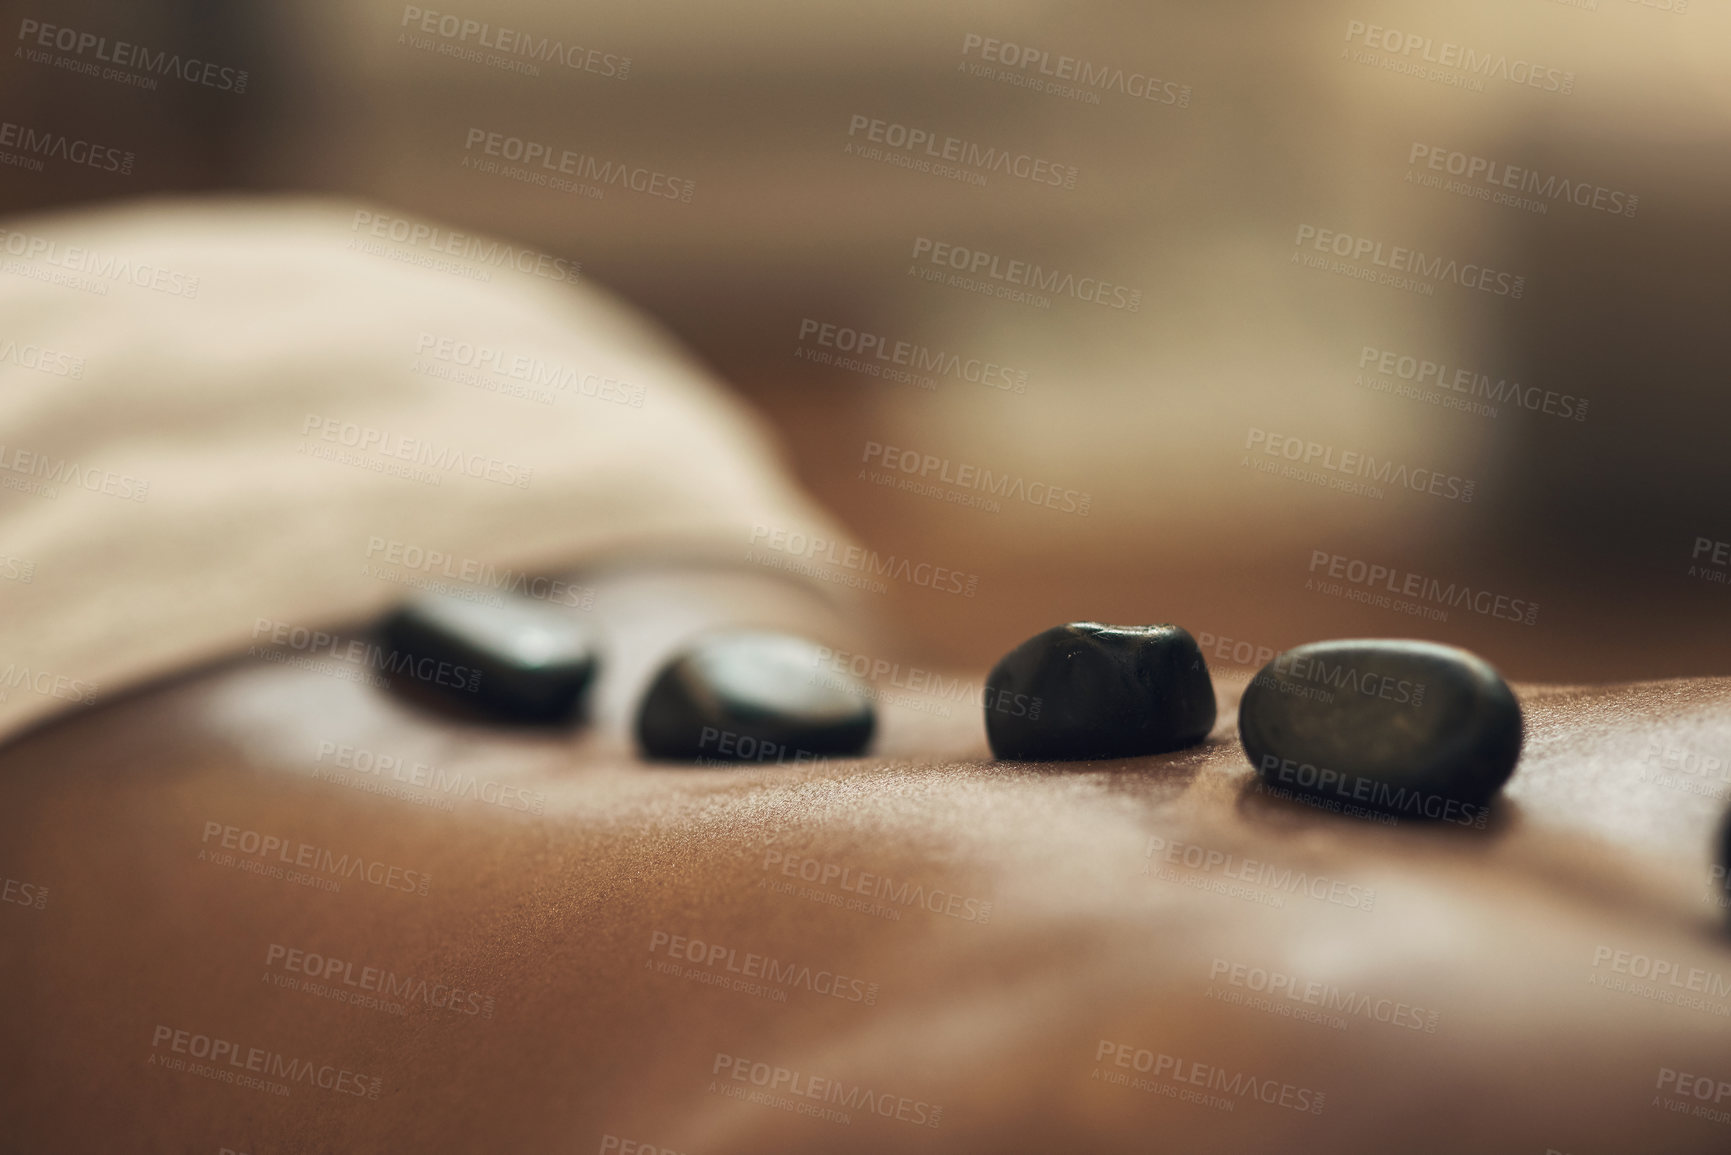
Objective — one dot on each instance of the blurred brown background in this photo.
(1195, 203)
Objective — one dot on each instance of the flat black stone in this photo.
(1414, 729)
(1086, 690)
(746, 696)
(523, 661)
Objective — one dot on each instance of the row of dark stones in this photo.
(1405, 728)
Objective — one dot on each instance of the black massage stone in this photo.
(1409, 728)
(1086, 690)
(523, 661)
(746, 696)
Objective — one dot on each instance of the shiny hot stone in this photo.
(524, 660)
(753, 697)
(1086, 690)
(1413, 729)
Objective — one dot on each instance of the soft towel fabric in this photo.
(229, 421)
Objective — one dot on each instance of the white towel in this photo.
(228, 421)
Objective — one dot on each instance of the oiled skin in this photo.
(998, 1020)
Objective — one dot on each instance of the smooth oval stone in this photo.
(1413, 729)
(753, 697)
(1087, 690)
(524, 660)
